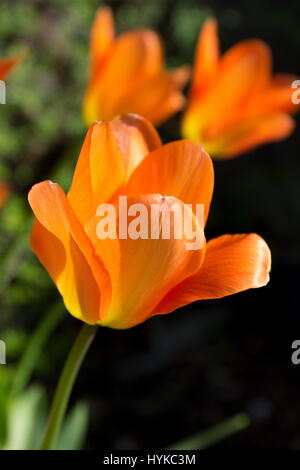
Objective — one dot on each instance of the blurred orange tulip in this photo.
(4, 191)
(6, 65)
(121, 282)
(235, 104)
(127, 75)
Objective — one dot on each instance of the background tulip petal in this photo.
(4, 192)
(232, 263)
(243, 70)
(127, 75)
(142, 271)
(102, 37)
(66, 252)
(135, 56)
(206, 59)
(251, 133)
(181, 169)
(239, 105)
(156, 97)
(250, 53)
(276, 97)
(6, 65)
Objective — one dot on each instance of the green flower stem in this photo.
(65, 384)
(215, 434)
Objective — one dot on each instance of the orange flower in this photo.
(6, 65)
(4, 192)
(235, 103)
(127, 75)
(122, 282)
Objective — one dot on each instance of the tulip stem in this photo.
(65, 384)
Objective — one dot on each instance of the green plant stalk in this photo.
(215, 434)
(65, 384)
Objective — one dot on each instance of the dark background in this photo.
(177, 374)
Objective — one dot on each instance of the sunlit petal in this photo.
(67, 253)
(181, 169)
(142, 271)
(233, 263)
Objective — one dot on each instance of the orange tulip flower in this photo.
(4, 191)
(6, 65)
(122, 282)
(127, 75)
(235, 104)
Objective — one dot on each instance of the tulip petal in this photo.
(102, 41)
(111, 148)
(141, 270)
(251, 133)
(6, 65)
(181, 169)
(233, 263)
(276, 97)
(157, 97)
(102, 37)
(99, 171)
(134, 81)
(4, 192)
(243, 70)
(64, 249)
(252, 54)
(206, 59)
(135, 56)
(136, 138)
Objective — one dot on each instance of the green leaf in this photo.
(74, 429)
(26, 420)
(4, 404)
(213, 435)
